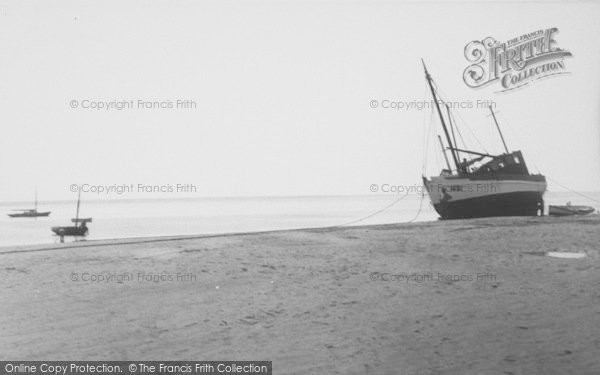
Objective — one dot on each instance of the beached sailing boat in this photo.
(79, 229)
(29, 212)
(484, 185)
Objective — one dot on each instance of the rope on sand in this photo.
(373, 214)
(383, 210)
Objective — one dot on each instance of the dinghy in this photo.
(80, 228)
(570, 210)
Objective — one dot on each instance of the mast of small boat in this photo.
(77, 213)
(437, 105)
(444, 152)
(499, 131)
(35, 200)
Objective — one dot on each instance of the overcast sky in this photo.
(282, 93)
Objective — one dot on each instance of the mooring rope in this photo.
(427, 130)
(534, 158)
(372, 214)
(571, 190)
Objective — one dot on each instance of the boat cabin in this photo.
(505, 164)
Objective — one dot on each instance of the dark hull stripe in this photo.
(71, 231)
(39, 214)
(509, 204)
(513, 177)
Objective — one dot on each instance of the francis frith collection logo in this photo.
(516, 62)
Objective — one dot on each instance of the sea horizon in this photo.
(113, 197)
(124, 218)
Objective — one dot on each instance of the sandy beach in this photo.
(454, 297)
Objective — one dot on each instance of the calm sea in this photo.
(145, 218)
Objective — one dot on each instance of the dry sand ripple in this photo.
(313, 301)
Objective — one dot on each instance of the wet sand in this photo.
(483, 298)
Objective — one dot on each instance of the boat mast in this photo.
(452, 129)
(77, 213)
(437, 105)
(444, 152)
(499, 131)
(36, 199)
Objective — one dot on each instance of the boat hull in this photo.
(463, 198)
(570, 210)
(71, 231)
(509, 204)
(27, 214)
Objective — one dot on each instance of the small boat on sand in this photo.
(570, 210)
(79, 229)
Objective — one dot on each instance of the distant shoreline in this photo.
(123, 241)
(93, 198)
